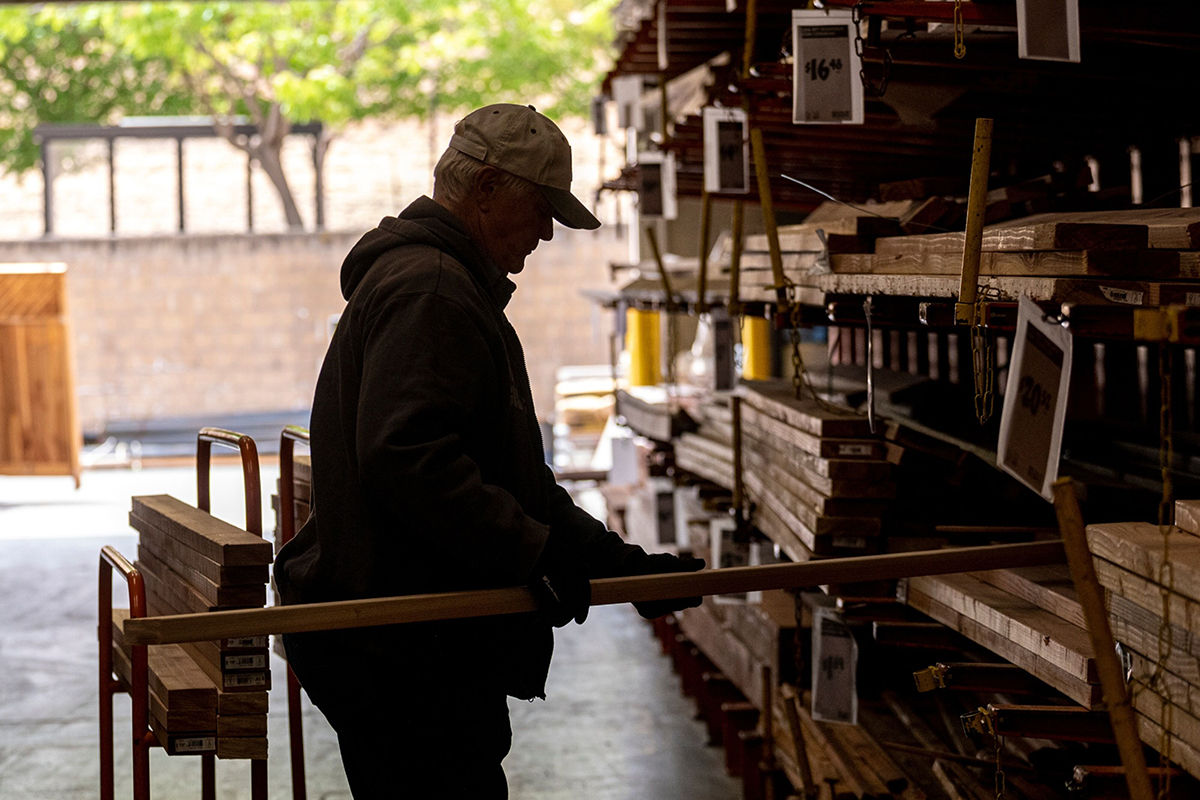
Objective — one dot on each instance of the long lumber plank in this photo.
(778, 531)
(199, 530)
(820, 503)
(1146, 595)
(1054, 640)
(1086, 694)
(1021, 236)
(818, 544)
(605, 591)
(1154, 264)
(1183, 754)
(820, 524)
(1187, 515)
(778, 400)
(1047, 587)
(1138, 547)
(872, 489)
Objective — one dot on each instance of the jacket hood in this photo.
(428, 224)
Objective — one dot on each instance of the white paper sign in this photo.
(1048, 30)
(826, 88)
(1035, 400)
(726, 150)
(627, 94)
(656, 193)
(834, 668)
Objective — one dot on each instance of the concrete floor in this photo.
(614, 724)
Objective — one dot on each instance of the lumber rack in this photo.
(138, 686)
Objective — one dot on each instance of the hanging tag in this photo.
(627, 94)
(826, 88)
(1048, 30)
(1035, 400)
(656, 193)
(663, 59)
(834, 668)
(726, 150)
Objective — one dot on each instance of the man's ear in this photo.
(485, 186)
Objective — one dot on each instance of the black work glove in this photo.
(657, 564)
(560, 584)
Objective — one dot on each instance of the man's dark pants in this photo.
(439, 733)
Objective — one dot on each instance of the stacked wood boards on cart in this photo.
(1129, 560)
(818, 477)
(193, 562)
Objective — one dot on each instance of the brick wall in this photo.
(170, 326)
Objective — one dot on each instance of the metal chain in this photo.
(1001, 786)
(1166, 571)
(960, 48)
(800, 377)
(983, 357)
(872, 89)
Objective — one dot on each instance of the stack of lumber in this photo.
(1029, 617)
(654, 411)
(818, 477)
(183, 700)
(1128, 558)
(301, 496)
(193, 562)
(846, 756)
(1138, 257)
(708, 452)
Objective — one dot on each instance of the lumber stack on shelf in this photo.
(193, 562)
(818, 476)
(1129, 560)
(708, 451)
(655, 411)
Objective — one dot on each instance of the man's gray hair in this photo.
(454, 177)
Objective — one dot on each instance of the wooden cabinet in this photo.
(39, 420)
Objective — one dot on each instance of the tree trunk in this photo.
(268, 154)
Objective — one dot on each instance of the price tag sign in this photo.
(1048, 30)
(656, 193)
(1035, 400)
(726, 150)
(834, 668)
(826, 88)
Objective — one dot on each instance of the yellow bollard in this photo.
(641, 337)
(756, 348)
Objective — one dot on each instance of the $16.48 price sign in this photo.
(825, 85)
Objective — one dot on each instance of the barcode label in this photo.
(1192, 299)
(196, 744)
(245, 662)
(245, 642)
(1126, 296)
(246, 679)
(852, 542)
(854, 450)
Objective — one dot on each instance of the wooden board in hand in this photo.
(213, 538)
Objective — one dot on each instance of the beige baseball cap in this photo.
(519, 140)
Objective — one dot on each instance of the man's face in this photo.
(518, 221)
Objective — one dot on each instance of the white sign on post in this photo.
(656, 193)
(1035, 400)
(834, 668)
(627, 94)
(726, 150)
(1048, 30)
(826, 88)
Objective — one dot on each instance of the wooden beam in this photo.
(605, 591)
(1091, 597)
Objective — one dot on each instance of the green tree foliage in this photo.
(284, 63)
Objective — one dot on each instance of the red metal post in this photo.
(287, 529)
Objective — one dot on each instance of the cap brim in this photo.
(568, 210)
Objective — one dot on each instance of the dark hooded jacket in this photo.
(427, 457)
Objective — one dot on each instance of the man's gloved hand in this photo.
(657, 564)
(560, 584)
